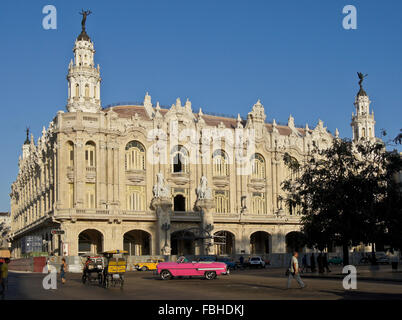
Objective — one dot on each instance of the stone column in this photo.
(205, 208)
(278, 241)
(163, 209)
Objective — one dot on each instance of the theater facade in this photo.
(157, 180)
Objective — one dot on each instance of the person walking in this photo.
(320, 263)
(304, 263)
(294, 271)
(241, 260)
(325, 263)
(312, 262)
(63, 270)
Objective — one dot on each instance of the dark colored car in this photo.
(229, 262)
(335, 260)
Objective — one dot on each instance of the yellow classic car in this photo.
(150, 264)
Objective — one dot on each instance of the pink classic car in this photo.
(183, 267)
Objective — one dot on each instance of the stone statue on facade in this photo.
(160, 189)
(203, 192)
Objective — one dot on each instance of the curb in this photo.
(358, 278)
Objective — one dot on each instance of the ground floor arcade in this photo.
(145, 238)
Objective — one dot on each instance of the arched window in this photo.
(221, 201)
(95, 92)
(179, 159)
(294, 169)
(135, 198)
(258, 166)
(70, 151)
(86, 91)
(363, 132)
(135, 156)
(220, 163)
(77, 90)
(90, 154)
(370, 133)
(258, 203)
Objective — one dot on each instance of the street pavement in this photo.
(259, 284)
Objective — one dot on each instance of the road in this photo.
(266, 284)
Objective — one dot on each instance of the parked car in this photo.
(256, 262)
(183, 267)
(207, 258)
(150, 264)
(335, 260)
(229, 262)
(382, 259)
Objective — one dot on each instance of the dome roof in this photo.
(362, 92)
(84, 36)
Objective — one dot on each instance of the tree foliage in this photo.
(347, 194)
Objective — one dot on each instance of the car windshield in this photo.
(255, 259)
(207, 259)
(182, 259)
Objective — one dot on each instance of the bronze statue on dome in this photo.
(84, 14)
(361, 77)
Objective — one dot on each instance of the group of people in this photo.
(322, 263)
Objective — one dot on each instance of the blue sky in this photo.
(223, 55)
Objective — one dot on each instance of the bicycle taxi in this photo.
(94, 266)
(116, 266)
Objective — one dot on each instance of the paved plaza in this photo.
(264, 284)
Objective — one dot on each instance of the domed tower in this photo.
(362, 122)
(83, 78)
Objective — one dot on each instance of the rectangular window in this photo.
(135, 198)
(221, 201)
(90, 198)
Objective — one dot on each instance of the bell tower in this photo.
(363, 121)
(83, 78)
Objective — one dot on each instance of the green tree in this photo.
(341, 192)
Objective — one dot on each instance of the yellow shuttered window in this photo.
(90, 199)
(221, 201)
(258, 166)
(135, 156)
(258, 203)
(135, 198)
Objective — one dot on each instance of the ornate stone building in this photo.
(93, 174)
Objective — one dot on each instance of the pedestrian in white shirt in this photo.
(294, 271)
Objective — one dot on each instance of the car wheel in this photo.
(165, 275)
(210, 275)
(144, 268)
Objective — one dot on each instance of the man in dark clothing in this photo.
(312, 262)
(320, 263)
(325, 262)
